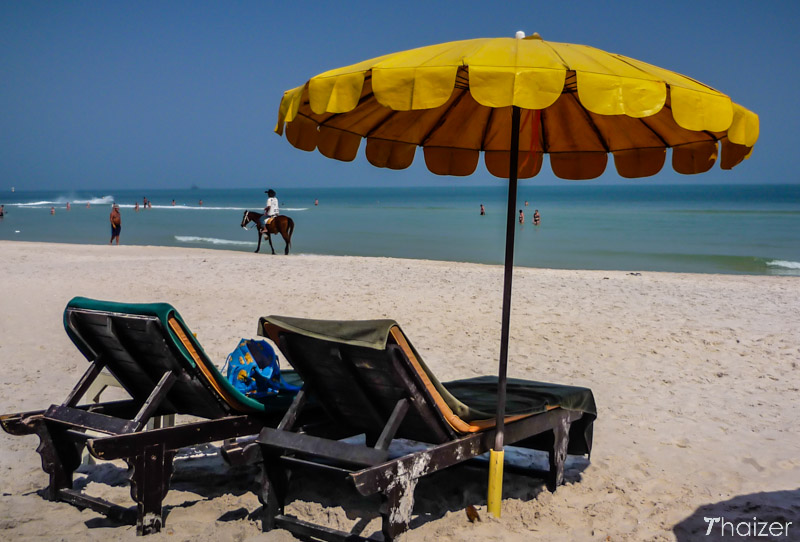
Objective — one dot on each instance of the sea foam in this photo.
(211, 240)
(783, 263)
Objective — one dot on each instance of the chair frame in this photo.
(370, 468)
(118, 430)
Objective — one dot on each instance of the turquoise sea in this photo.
(752, 229)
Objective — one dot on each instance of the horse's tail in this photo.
(289, 230)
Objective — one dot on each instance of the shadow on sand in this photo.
(206, 476)
(450, 490)
(772, 508)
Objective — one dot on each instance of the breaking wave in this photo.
(104, 200)
(785, 264)
(210, 240)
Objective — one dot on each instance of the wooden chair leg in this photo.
(60, 457)
(397, 503)
(273, 486)
(558, 454)
(150, 478)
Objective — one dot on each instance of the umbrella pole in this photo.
(496, 455)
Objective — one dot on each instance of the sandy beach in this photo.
(696, 380)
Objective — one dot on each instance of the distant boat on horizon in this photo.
(194, 187)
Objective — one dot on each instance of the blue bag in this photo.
(254, 371)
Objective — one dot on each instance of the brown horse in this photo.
(280, 224)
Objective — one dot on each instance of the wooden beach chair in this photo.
(151, 352)
(370, 380)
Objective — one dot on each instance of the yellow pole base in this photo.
(495, 496)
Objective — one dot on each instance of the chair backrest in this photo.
(358, 384)
(138, 343)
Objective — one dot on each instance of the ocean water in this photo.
(750, 229)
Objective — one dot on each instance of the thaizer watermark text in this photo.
(753, 528)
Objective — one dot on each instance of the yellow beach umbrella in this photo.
(514, 99)
(455, 100)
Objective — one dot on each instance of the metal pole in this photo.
(508, 272)
(496, 455)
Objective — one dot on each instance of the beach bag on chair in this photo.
(253, 369)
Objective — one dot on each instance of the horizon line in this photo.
(563, 182)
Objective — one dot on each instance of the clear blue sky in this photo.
(113, 95)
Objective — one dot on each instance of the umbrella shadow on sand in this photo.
(745, 517)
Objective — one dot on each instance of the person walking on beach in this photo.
(270, 210)
(483, 211)
(116, 223)
(536, 218)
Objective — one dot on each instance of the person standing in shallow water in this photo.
(116, 223)
(536, 218)
(521, 217)
(483, 211)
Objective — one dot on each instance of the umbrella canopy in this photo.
(515, 99)
(455, 100)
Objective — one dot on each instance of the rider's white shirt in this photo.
(272, 203)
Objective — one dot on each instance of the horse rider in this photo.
(270, 211)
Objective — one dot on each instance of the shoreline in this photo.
(694, 376)
(499, 264)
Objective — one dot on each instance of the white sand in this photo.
(696, 379)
